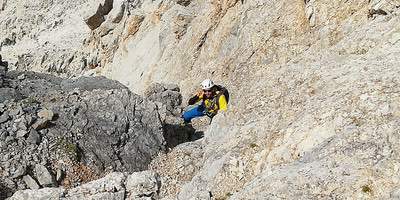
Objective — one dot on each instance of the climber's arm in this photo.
(196, 98)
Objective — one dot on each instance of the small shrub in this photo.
(253, 145)
(68, 148)
(366, 189)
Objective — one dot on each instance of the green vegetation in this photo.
(366, 189)
(30, 101)
(68, 148)
(253, 145)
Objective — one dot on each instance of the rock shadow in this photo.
(176, 134)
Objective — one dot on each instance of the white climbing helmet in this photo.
(207, 84)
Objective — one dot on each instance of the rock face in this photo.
(116, 186)
(314, 108)
(44, 177)
(82, 127)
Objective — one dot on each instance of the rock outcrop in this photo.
(55, 131)
(117, 186)
(314, 109)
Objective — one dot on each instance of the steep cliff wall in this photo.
(314, 111)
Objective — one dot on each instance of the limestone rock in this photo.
(21, 77)
(44, 177)
(40, 124)
(59, 175)
(115, 186)
(38, 194)
(98, 122)
(34, 137)
(314, 85)
(97, 18)
(109, 187)
(30, 182)
(21, 133)
(9, 94)
(21, 170)
(4, 117)
(46, 114)
(167, 95)
(140, 184)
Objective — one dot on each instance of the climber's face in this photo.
(207, 93)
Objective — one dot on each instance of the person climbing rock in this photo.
(213, 98)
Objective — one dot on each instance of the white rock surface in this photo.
(110, 185)
(114, 186)
(314, 110)
(30, 182)
(44, 177)
(141, 184)
(41, 194)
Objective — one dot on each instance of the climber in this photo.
(214, 98)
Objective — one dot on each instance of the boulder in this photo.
(21, 170)
(4, 117)
(44, 177)
(145, 183)
(106, 186)
(39, 194)
(94, 20)
(40, 124)
(21, 133)
(168, 95)
(103, 125)
(30, 182)
(46, 114)
(34, 137)
(9, 94)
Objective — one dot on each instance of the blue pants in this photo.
(197, 111)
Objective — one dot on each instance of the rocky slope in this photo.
(56, 131)
(314, 111)
(139, 185)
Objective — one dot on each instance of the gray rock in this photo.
(59, 175)
(46, 114)
(21, 133)
(8, 182)
(141, 184)
(9, 139)
(3, 135)
(172, 87)
(44, 177)
(21, 170)
(3, 70)
(16, 111)
(167, 95)
(21, 77)
(23, 124)
(9, 94)
(40, 124)
(104, 125)
(96, 19)
(34, 137)
(39, 194)
(4, 117)
(109, 186)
